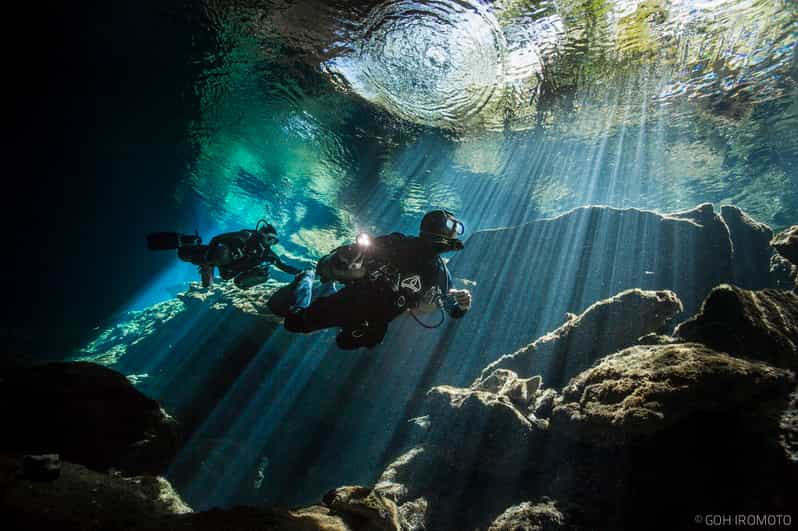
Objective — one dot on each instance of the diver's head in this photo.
(268, 230)
(441, 228)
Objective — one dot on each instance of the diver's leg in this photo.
(334, 311)
(302, 290)
(325, 290)
(195, 254)
(253, 277)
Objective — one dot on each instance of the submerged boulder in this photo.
(364, 508)
(786, 243)
(761, 325)
(88, 414)
(751, 251)
(605, 327)
(644, 390)
(81, 499)
(541, 516)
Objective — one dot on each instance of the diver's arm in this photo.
(282, 266)
(457, 302)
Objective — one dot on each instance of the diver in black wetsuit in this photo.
(382, 278)
(243, 256)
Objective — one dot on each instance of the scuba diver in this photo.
(243, 256)
(383, 277)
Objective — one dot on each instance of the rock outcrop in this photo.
(786, 243)
(524, 278)
(653, 432)
(88, 414)
(541, 516)
(81, 499)
(761, 325)
(605, 327)
(643, 390)
(751, 251)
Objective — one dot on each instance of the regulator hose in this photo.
(425, 325)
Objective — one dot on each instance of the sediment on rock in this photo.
(605, 327)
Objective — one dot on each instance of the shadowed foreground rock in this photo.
(786, 243)
(761, 325)
(527, 516)
(605, 327)
(81, 499)
(88, 414)
(752, 254)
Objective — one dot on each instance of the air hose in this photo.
(425, 325)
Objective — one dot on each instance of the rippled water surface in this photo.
(333, 117)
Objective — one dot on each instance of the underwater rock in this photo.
(657, 339)
(643, 390)
(761, 325)
(520, 391)
(525, 277)
(786, 243)
(788, 426)
(751, 251)
(88, 414)
(140, 330)
(541, 516)
(82, 499)
(365, 508)
(312, 518)
(605, 327)
(544, 403)
(46, 467)
(505, 433)
(226, 295)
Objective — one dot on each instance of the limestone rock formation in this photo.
(88, 414)
(762, 325)
(643, 390)
(751, 251)
(605, 327)
(364, 507)
(541, 516)
(653, 431)
(786, 243)
(488, 426)
(82, 499)
(526, 277)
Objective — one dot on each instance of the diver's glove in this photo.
(462, 298)
(457, 302)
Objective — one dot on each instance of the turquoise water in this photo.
(333, 118)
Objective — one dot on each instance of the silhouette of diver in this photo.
(382, 278)
(243, 256)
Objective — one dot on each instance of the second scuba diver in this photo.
(243, 256)
(383, 277)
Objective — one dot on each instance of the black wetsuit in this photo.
(403, 272)
(243, 256)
